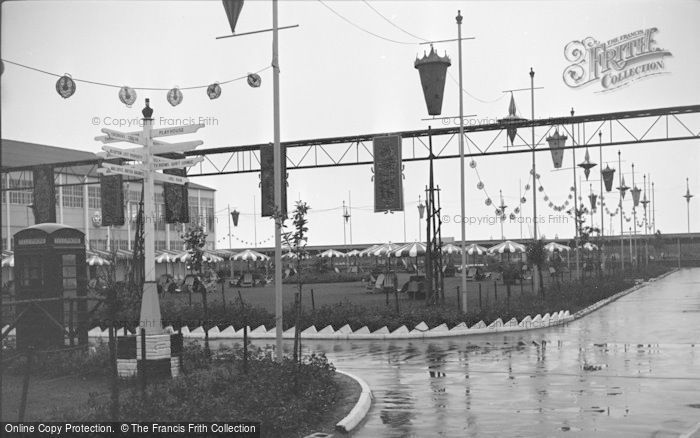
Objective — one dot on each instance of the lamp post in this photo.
(687, 197)
(502, 213)
(535, 276)
(461, 168)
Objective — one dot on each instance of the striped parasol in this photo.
(250, 255)
(506, 247)
(450, 249)
(474, 249)
(554, 246)
(331, 253)
(410, 250)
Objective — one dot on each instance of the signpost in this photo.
(147, 169)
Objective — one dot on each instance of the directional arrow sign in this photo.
(107, 139)
(123, 136)
(132, 154)
(164, 163)
(175, 147)
(169, 178)
(175, 130)
(124, 170)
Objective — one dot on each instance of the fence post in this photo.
(495, 290)
(480, 303)
(313, 302)
(459, 306)
(25, 383)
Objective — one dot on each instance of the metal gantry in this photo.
(621, 128)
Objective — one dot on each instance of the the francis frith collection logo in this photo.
(615, 63)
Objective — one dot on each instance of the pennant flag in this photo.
(233, 10)
(44, 195)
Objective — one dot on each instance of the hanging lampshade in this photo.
(65, 86)
(254, 80)
(175, 96)
(608, 177)
(127, 95)
(635, 195)
(593, 197)
(587, 165)
(623, 188)
(234, 217)
(432, 69)
(556, 147)
(214, 91)
(510, 119)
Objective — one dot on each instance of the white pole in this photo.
(535, 270)
(8, 242)
(278, 184)
(461, 168)
(150, 307)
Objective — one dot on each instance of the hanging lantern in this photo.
(214, 91)
(523, 200)
(480, 185)
(635, 195)
(127, 96)
(527, 187)
(540, 189)
(623, 188)
(516, 210)
(254, 80)
(432, 70)
(551, 204)
(472, 164)
(488, 201)
(546, 198)
(512, 216)
(234, 216)
(593, 197)
(65, 86)
(510, 119)
(498, 212)
(175, 96)
(608, 177)
(556, 147)
(587, 165)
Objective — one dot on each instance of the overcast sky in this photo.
(338, 80)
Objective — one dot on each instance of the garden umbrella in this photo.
(166, 256)
(451, 248)
(93, 259)
(353, 253)
(411, 250)
(366, 252)
(249, 255)
(474, 249)
(8, 259)
(554, 246)
(507, 247)
(384, 250)
(330, 254)
(588, 246)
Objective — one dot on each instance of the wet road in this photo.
(631, 368)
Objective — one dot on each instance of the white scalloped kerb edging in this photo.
(420, 331)
(357, 414)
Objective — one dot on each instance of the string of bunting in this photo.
(245, 242)
(66, 86)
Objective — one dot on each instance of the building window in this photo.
(208, 213)
(73, 196)
(21, 197)
(94, 200)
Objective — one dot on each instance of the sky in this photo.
(339, 80)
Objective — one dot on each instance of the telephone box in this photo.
(49, 268)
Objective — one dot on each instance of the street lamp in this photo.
(501, 213)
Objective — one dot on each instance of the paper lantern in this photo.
(608, 174)
(175, 97)
(556, 147)
(65, 86)
(523, 200)
(472, 164)
(214, 91)
(127, 95)
(480, 185)
(433, 70)
(587, 165)
(254, 80)
(488, 201)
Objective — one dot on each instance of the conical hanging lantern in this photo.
(608, 174)
(65, 86)
(635, 195)
(593, 198)
(556, 147)
(433, 71)
(234, 217)
(127, 96)
(254, 80)
(587, 165)
(623, 188)
(214, 91)
(511, 118)
(175, 96)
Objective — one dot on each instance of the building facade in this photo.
(78, 200)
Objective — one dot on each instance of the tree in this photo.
(296, 240)
(537, 255)
(195, 239)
